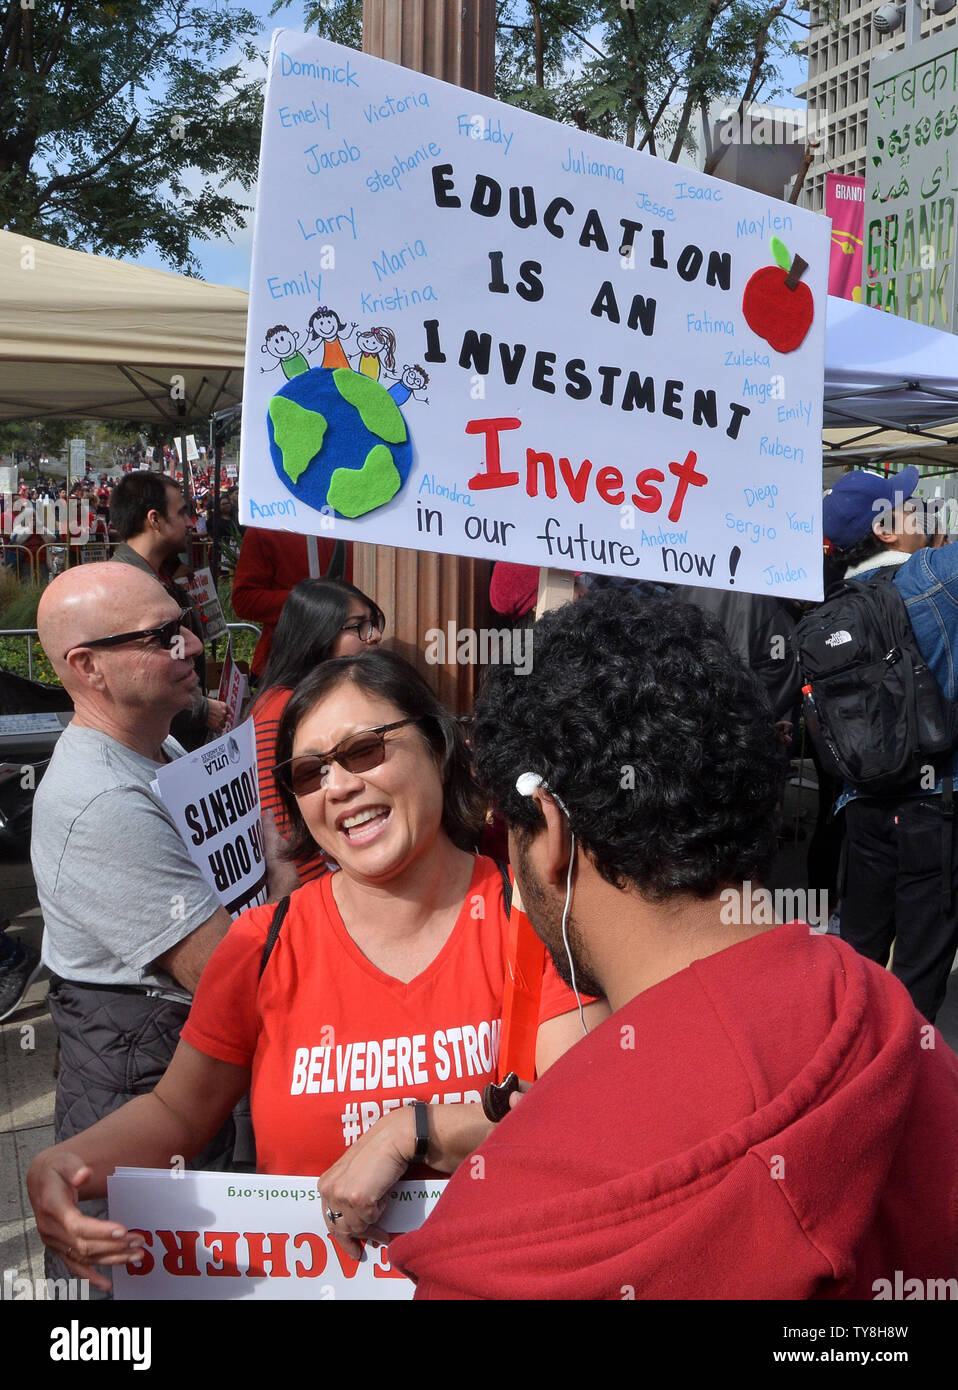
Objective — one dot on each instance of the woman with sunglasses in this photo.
(321, 619)
(369, 1034)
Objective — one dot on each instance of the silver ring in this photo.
(332, 1216)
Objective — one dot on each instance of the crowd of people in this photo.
(722, 1106)
(48, 525)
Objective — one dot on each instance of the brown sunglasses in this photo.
(358, 753)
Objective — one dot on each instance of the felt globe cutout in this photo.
(338, 441)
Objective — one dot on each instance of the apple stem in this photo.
(798, 269)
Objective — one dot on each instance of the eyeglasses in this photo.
(164, 635)
(364, 628)
(358, 753)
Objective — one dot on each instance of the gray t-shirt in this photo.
(116, 884)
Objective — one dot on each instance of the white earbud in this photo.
(527, 783)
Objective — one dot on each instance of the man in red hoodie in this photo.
(765, 1114)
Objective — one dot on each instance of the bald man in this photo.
(129, 921)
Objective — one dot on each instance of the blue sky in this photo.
(227, 262)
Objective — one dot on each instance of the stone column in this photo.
(455, 41)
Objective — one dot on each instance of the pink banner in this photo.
(845, 205)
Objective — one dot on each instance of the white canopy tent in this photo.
(84, 335)
(891, 386)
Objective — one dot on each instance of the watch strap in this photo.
(421, 1110)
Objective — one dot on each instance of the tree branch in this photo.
(57, 40)
(11, 25)
(696, 57)
(61, 182)
(84, 116)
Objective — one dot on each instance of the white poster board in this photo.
(202, 591)
(213, 796)
(192, 453)
(243, 1235)
(475, 331)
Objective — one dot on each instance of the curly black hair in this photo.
(658, 739)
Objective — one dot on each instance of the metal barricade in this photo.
(8, 547)
(30, 633)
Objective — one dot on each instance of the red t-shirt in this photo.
(333, 1042)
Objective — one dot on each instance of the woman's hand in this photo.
(54, 1182)
(354, 1190)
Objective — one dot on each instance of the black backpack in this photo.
(873, 709)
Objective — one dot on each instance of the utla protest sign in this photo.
(475, 331)
(245, 1235)
(213, 796)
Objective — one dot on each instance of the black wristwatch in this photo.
(421, 1110)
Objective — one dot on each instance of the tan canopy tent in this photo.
(84, 335)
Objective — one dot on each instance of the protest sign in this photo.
(244, 1235)
(233, 689)
(192, 453)
(478, 332)
(213, 796)
(202, 591)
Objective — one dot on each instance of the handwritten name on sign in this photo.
(473, 333)
(238, 1235)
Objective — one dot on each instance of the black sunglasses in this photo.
(358, 753)
(164, 635)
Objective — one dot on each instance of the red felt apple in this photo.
(776, 305)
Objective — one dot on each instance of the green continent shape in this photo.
(353, 491)
(298, 433)
(377, 409)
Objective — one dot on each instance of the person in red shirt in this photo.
(270, 565)
(380, 1004)
(765, 1115)
(321, 619)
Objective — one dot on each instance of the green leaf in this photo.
(780, 253)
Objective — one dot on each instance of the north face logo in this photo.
(838, 639)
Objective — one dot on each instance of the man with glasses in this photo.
(152, 519)
(129, 920)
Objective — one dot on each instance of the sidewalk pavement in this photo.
(27, 1088)
(28, 1052)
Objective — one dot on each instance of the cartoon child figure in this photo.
(377, 350)
(326, 327)
(413, 380)
(283, 344)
